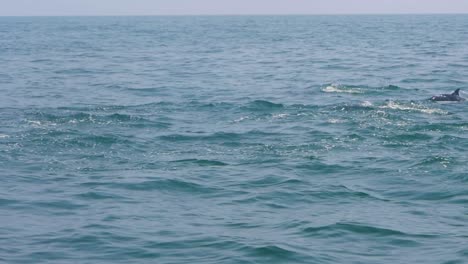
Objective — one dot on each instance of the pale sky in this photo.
(213, 7)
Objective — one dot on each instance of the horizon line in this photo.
(246, 14)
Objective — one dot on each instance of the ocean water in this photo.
(233, 139)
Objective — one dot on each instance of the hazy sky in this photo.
(180, 7)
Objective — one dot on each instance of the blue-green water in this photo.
(294, 139)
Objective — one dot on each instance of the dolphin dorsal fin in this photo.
(457, 92)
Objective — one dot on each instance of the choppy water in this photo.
(296, 139)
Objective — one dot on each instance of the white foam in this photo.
(41, 124)
(4, 136)
(38, 123)
(413, 107)
(335, 121)
(337, 89)
(280, 115)
(241, 119)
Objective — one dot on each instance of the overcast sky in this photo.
(212, 7)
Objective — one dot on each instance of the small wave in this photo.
(59, 204)
(223, 136)
(275, 253)
(356, 228)
(444, 161)
(168, 185)
(93, 195)
(44, 117)
(340, 191)
(75, 71)
(448, 138)
(5, 77)
(191, 137)
(410, 137)
(93, 108)
(440, 127)
(262, 105)
(202, 162)
(4, 202)
(4, 136)
(147, 91)
(120, 117)
(413, 107)
(321, 167)
(51, 119)
(456, 197)
(391, 87)
(103, 139)
(419, 80)
(41, 60)
(69, 139)
(272, 181)
(212, 105)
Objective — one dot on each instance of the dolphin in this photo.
(453, 97)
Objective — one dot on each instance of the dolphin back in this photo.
(454, 97)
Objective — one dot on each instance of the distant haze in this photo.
(220, 7)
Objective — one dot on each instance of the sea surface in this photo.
(233, 139)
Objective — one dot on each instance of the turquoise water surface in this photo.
(233, 139)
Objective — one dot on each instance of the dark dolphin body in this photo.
(453, 97)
